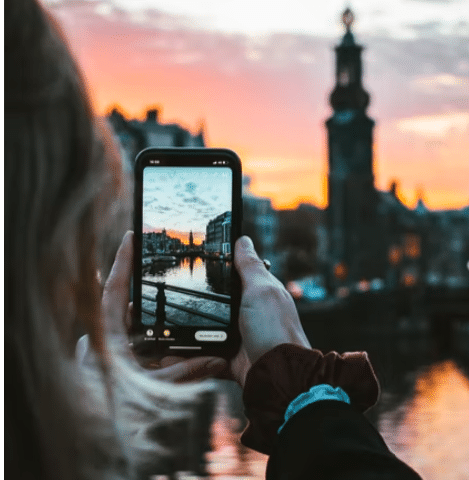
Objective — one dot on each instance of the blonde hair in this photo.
(67, 205)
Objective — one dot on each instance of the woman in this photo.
(67, 206)
(83, 407)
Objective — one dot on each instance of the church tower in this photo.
(351, 193)
(191, 240)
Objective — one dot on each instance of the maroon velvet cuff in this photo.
(285, 372)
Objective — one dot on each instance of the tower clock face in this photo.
(344, 78)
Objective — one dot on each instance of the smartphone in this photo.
(186, 291)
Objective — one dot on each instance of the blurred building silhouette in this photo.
(135, 135)
(445, 246)
(372, 234)
(353, 200)
(364, 234)
(302, 241)
(260, 222)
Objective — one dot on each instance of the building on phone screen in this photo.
(218, 235)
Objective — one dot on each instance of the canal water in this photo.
(423, 413)
(195, 273)
(429, 427)
(424, 421)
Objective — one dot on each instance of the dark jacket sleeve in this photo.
(328, 439)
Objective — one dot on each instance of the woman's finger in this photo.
(251, 268)
(169, 361)
(248, 264)
(116, 290)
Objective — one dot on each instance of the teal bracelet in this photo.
(315, 394)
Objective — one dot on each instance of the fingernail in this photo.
(247, 243)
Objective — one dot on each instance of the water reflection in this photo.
(229, 459)
(195, 273)
(218, 275)
(430, 431)
(427, 427)
(423, 413)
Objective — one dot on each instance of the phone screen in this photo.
(186, 258)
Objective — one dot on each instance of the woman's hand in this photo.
(268, 316)
(116, 314)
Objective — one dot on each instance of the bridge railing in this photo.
(162, 302)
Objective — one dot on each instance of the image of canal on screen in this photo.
(186, 246)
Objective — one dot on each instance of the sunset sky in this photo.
(257, 76)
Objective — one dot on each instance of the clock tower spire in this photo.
(348, 92)
(351, 193)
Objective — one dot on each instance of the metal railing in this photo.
(161, 302)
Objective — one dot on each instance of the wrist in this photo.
(287, 371)
(316, 393)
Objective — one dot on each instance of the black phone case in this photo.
(158, 348)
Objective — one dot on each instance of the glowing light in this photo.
(394, 255)
(294, 289)
(409, 279)
(363, 286)
(412, 246)
(340, 271)
(343, 292)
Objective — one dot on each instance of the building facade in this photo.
(218, 235)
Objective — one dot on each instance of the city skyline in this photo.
(265, 95)
(198, 237)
